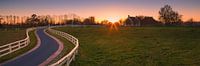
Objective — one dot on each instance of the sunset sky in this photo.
(101, 9)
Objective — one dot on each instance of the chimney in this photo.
(128, 16)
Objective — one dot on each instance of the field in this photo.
(11, 35)
(17, 34)
(137, 46)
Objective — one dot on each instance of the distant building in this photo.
(194, 24)
(141, 21)
(132, 21)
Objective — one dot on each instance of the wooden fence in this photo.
(66, 60)
(14, 46)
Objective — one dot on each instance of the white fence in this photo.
(14, 46)
(66, 60)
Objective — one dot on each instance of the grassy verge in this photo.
(68, 46)
(137, 46)
(11, 35)
(23, 50)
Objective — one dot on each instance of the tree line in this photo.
(167, 16)
(34, 20)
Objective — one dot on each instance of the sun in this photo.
(113, 19)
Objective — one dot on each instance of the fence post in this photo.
(10, 48)
(19, 44)
(28, 40)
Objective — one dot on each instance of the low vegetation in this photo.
(136, 46)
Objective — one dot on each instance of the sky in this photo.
(101, 9)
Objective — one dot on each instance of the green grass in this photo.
(11, 35)
(67, 47)
(23, 50)
(137, 46)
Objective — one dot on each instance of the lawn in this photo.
(32, 44)
(11, 35)
(137, 46)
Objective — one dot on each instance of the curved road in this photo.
(47, 47)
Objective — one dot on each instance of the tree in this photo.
(14, 19)
(10, 19)
(34, 16)
(89, 21)
(44, 21)
(1, 18)
(33, 21)
(191, 20)
(168, 16)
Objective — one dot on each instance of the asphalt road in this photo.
(47, 47)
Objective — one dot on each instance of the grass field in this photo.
(11, 35)
(32, 44)
(137, 46)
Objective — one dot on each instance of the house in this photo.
(141, 21)
(132, 21)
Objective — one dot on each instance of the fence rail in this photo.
(66, 60)
(14, 46)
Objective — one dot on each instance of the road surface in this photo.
(47, 47)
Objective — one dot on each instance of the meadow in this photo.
(11, 35)
(136, 46)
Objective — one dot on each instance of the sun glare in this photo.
(113, 19)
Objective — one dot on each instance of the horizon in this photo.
(102, 9)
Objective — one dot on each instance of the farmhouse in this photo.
(141, 21)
